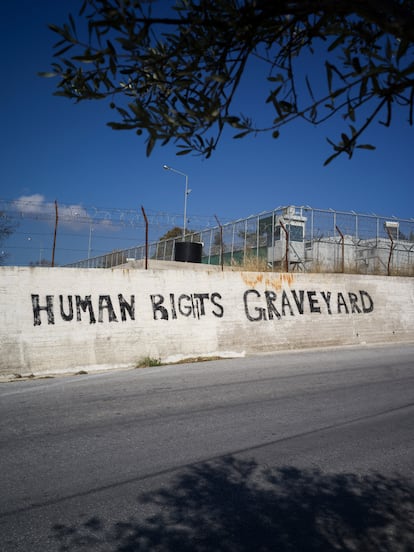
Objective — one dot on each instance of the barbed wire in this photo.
(88, 214)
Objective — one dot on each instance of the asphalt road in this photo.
(310, 450)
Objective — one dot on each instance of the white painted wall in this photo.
(173, 314)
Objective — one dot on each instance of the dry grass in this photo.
(197, 359)
(253, 264)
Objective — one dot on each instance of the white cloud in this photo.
(73, 216)
(31, 204)
(35, 206)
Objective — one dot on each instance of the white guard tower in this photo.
(288, 240)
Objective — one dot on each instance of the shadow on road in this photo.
(235, 505)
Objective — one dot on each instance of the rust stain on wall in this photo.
(275, 281)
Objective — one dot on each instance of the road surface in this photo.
(305, 450)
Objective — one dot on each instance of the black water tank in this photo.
(188, 252)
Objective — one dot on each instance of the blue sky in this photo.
(52, 149)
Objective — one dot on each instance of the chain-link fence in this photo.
(292, 239)
(34, 231)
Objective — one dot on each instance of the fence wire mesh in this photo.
(288, 238)
(83, 232)
(294, 239)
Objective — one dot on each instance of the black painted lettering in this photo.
(313, 302)
(353, 300)
(327, 298)
(67, 317)
(299, 300)
(126, 307)
(200, 298)
(37, 309)
(260, 312)
(195, 307)
(184, 309)
(286, 304)
(157, 307)
(213, 298)
(270, 302)
(342, 303)
(173, 308)
(84, 304)
(366, 301)
(105, 302)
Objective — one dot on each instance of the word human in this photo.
(71, 308)
(270, 305)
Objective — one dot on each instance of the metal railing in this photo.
(292, 239)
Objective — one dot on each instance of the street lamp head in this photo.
(166, 167)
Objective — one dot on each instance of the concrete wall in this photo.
(66, 319)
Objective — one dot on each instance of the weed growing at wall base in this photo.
(147, 362)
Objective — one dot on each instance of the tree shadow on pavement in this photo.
(234, 505)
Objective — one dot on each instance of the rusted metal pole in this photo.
(146, 237)
(54, 236)
(391, 252)
(221, 243)
(343, 249)
(287, 244)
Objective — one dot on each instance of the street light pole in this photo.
(90, 243)
(40, 250)
(186, 192)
